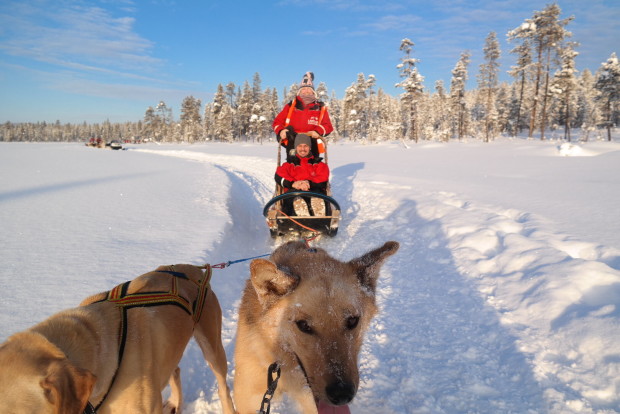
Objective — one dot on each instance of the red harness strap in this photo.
(289, 115)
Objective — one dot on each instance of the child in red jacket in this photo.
(302, 172)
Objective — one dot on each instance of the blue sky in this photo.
(88, 61)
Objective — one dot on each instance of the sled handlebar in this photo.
(292, 194)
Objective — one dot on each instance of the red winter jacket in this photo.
(298, 169)
(305, 118)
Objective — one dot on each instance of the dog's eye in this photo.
(304, 327)
(352, 322)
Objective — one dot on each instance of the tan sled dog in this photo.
(308, 312)
(118, 350)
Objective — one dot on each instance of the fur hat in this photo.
(302, 139)
(307, 80)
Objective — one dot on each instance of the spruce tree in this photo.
(191, 122)
(608, 85)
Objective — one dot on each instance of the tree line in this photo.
(547, 95)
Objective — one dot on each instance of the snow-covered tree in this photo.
(351, 113)
(545, 32)
(608, 84)
(230, 93)
(588, 114)
(563, 87)
(321, 92)
(412, 85)
(244, 110)
(224, 124)
(335, 115)
(487, 84)
(157, 122)
(440, 113)
(522, 71)
(256, 87)
(191, 122)
(457, 96)
(166, 119)
(222, 116)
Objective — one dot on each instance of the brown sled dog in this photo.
(308, 312)
(118, 350)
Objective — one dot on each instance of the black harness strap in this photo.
(89, 409)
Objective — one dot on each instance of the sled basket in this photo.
(302, 212)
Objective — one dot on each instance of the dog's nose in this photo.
(340, 393)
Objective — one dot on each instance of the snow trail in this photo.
(486, 308)
(453, 334)
(449, 315)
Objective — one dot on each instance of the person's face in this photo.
(306, 92)
(302, 150)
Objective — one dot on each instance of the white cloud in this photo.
(69, 33)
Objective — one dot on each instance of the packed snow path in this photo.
(452, 335)
(486, 308)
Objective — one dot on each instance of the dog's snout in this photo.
(340, 393)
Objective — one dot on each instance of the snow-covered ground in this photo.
(504, 296)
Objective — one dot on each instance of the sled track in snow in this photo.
(453, 333)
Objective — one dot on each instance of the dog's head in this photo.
(319, 309)
(36, 377)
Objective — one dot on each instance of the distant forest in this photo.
(547, 96)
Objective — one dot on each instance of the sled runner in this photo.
(311, 215)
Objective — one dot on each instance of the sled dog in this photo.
(116, 352)
(308, 312)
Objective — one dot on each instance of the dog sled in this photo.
(314, 214)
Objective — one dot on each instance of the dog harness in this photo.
(125, 301)
(119, 296)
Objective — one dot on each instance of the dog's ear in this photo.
(67, 387)
(367, 266)
(270, 282)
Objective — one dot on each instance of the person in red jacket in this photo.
(302, 172)
(304, 114)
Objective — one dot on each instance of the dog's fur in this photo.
(59, 365)
(308, 312)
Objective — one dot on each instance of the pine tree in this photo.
(608, 84)
(439, 104)
(350, 113)
(165, 120)
(564, 85)
(412, 84)
(523, 69)
(335, 115)
(222, 116)
(588, 114)
(371, 110)
(321, 92)
(256, 87)
(545, 33)
(150, 124)
(244, 110)
(230, 94)
(457, 95)
(487, 84)
(191, 122)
